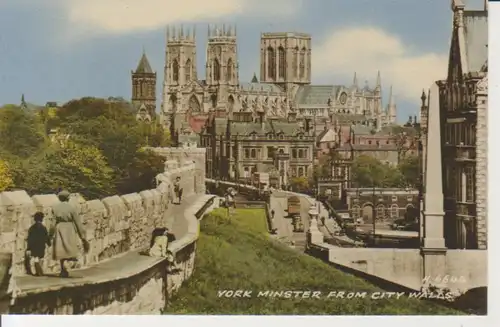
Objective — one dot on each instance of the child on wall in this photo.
(38, 240)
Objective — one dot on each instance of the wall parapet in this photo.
(116, 226)
(117, 286)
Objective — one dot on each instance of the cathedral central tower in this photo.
(285, 59)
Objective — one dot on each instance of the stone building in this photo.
(285, 82)
(239, 147)
(389, 203)
(463, 107)
(144, 90)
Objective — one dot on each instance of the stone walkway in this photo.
(119, 267)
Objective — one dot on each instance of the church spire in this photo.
(355, 80)
(254, 79)
(144, 67)
(379, 81)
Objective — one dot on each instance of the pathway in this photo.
(115, 268)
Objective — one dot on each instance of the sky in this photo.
(58, 50)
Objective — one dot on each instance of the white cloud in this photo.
(124, 16)
(365, 50)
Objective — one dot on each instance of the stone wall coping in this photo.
(193, 229)
(113, 269)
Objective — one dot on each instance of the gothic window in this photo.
(230, 103)
(188, 69)
(302, 63)
(469, 184)
(300, 172)
(271, 63)
(216, 70)
(229, 71)
(194, 105)
(175, 71)
(282, 67)
(173, 102)
(295, 61)
(394, 211)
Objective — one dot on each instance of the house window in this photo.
(253, 153)
(270, 152)
(394, 211)
(294, 153)
(355, 211)
(380, 212)
(394, 198)
(301, 153)
(247, 153)
(300, 172)
(469, 184)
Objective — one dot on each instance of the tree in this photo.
(141, 173)
(69, 167)
(6, 180)
(369, 172)
(299, 184)
(22, 133)
(410, 169)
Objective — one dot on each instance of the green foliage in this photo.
(21, 133)
(238, 254)
(98, 151)
(299, 184)
(6, 180)
(410, 169)
(370, 172)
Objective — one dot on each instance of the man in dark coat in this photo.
(38, 239)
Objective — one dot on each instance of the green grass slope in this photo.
(239, 255)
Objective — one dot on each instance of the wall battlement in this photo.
(115, 225)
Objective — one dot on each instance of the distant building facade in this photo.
(239, 147)
(144, 90)
(285, 83)
(464, 111)
(389, 204)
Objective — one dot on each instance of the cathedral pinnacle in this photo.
(379, 81)
(254, 79)
(355, 80)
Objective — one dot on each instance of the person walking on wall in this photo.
(177, 189)
(67, 229)
(38, 240)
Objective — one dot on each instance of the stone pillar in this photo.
(433, 248)
(314, 235)
(482, 163)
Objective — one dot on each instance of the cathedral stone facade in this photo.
(144, 90)
(284, 87)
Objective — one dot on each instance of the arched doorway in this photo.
(194, 104)
(367, 213)
(411, 213)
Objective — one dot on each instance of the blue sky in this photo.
(57, 50)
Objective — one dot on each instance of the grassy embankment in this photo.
(239, 255)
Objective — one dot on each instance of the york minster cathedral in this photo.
(284, 85)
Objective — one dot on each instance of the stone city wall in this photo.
(116, 227)
(144, 286)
